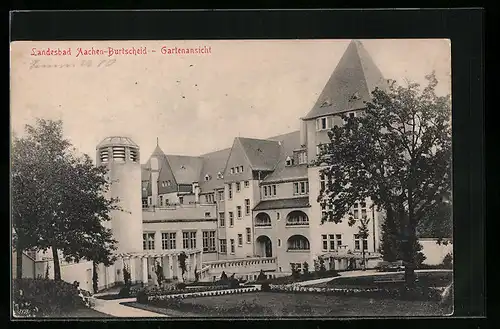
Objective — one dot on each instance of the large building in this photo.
(258, 198)
(242, 209)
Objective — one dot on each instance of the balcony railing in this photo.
(262, 224)
(240, 263)
(297, 223)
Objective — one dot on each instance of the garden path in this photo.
(114, 308)
(352, 274)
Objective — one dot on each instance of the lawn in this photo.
(288, 304)
(425, 279)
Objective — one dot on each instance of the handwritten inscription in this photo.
(38, 64)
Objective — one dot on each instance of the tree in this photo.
(58, 198)
(305, 268)
(95, 277)
(182, 263)
(397, 154)
(363, 233)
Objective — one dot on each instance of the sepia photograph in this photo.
(305, 178)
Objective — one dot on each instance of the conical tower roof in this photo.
(350, 84)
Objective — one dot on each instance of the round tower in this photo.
(121, 156)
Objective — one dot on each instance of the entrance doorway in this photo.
(264, 246)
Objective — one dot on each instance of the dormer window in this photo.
(326, 103)
(207, 177)
(219, 175)
(232, 171)
(289, 161)
(183, 167)
(354, 97)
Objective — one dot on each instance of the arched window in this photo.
(262, 219)
(298, 242)
(297, 217)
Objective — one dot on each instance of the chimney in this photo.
(154, 181)
(196, 191)
(303, 133)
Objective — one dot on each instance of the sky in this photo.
(196, 103)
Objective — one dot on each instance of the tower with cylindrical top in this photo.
(121, 156)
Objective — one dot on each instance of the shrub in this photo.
(124, 292)
(142, 297)
(265, 287)
(49, 297)
(448, 261)
(233, 283)
(180, 286)
(306, 268)
(261, 276)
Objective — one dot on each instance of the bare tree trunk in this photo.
(57, 266)
(19, 261)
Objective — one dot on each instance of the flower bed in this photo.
(374, 292)
(301, 277)
(190, 293)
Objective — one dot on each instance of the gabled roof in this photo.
(350, 84)
(186, 169)
(263, 154)
(289, 143)
(213, 163)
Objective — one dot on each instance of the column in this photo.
(131, 267)
(165, 265)
(170, 272)
(145, 270)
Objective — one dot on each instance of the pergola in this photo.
(168, 259)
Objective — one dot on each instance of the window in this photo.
(265, 191)
(238, 186)
(231, 219)
(144, 203)
(207, 214)
(207, 177)
(161, 200)
(223, 246)
(324, 238)
(219, 175)
(363, 209)
(357, 242)
(289, 161)
(240, 240)
(247, 183)
(181, 200)
(298, 242)
(270, 191)
(302, 157)
(332, 241)
(277, 216)
(221, 195)
(274, 190)
(249, 235)
(247, 207)
(238, 211)
(279, 242)
(237, 169)
(168, 240)
(209, 198)
(300, 188)
(189, 240)
(356, 211)
(222, 220)
(241, 168)
(338, 237)
(232, 246)
(148, 241)
(322, 181)
(208, 241)
(325, 209)
(232, 171)
(321, 123)
(230, 191)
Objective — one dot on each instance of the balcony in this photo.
(262, 220)
(297, 218)
(298, 243)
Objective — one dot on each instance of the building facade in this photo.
(241, 209)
